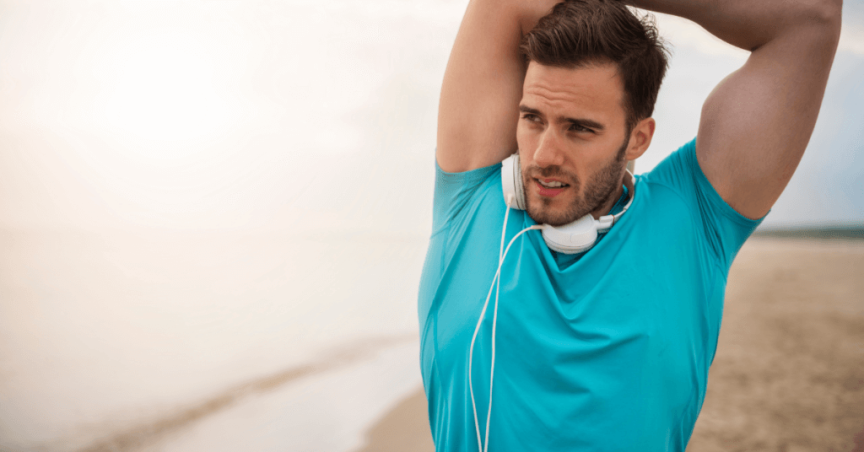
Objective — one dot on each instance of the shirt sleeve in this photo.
(724, 229)
(455, 191)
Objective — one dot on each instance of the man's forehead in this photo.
(597, 85)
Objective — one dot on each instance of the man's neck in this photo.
(610, 200)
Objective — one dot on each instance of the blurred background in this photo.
(213, 216)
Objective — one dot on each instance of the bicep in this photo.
(756, 123)
(478, 108)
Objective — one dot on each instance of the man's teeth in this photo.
(553, 184)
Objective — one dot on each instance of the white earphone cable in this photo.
(502, 254)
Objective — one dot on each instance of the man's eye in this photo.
(578, 128)
(530, 117)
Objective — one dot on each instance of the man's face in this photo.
(572, 136)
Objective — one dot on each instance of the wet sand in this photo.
(789, 370)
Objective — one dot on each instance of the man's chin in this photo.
(554, 211)
(552, 217)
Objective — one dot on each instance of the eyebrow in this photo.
(580, 121)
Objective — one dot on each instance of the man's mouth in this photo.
(550, 187)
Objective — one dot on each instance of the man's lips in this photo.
(549, 191)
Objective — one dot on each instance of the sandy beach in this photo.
(789, 370)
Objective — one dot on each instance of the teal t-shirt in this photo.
(607, 352)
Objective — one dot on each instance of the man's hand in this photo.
(482, 86)
(756, 123)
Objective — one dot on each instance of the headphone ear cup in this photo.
(520, 189)
(572, 238)
(511, 182)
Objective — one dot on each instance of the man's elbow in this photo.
(822, 16)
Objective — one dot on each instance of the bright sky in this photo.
(302, 114)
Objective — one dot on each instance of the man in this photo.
(609, 349)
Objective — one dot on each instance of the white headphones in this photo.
(571, 238)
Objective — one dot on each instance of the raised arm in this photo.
(756, 123)
(482, 86)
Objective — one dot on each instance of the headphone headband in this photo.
(607, 221)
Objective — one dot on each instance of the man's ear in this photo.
(640, 138)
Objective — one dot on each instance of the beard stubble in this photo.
(596, 192)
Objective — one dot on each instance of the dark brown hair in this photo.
(578, 33)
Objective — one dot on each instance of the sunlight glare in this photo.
(166, 89)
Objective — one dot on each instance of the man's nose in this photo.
(549, 152)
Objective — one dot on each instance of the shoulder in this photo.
(722, 229)
(457, 194)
